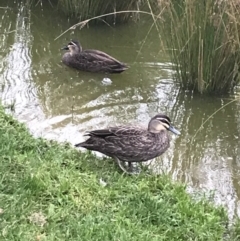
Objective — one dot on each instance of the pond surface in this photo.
(57, 102)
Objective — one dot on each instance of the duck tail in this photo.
(119, 68)
(81, 144)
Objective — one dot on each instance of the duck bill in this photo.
(174, 130)
(65, 48)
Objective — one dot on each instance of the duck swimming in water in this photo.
(131, 143)
(90, 60)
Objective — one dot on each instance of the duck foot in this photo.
(131, 169)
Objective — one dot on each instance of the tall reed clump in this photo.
(85, 9)
(203, 38)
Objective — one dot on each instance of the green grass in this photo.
(51, 192)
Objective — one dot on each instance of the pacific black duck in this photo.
(91, 60)
(131, 143)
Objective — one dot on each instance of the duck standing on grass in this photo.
(91, 60)
(130, 143)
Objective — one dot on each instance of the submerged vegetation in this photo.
(204, 40)
(51, 192)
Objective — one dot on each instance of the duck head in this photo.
(73, 46)
(161, 122)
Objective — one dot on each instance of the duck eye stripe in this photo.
(163, 120)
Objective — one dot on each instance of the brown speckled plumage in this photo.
(91, 60)
(132, 144)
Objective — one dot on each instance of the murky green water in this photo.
(60, 103)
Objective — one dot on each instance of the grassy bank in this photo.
(51, 192)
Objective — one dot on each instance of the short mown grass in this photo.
(50, 192)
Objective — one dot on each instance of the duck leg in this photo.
(130, 170)
(134, 168)
(120, 164)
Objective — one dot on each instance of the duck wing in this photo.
(98, 61)
(111, 135)
(126, 143)
(118, 132)
(94, 54)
